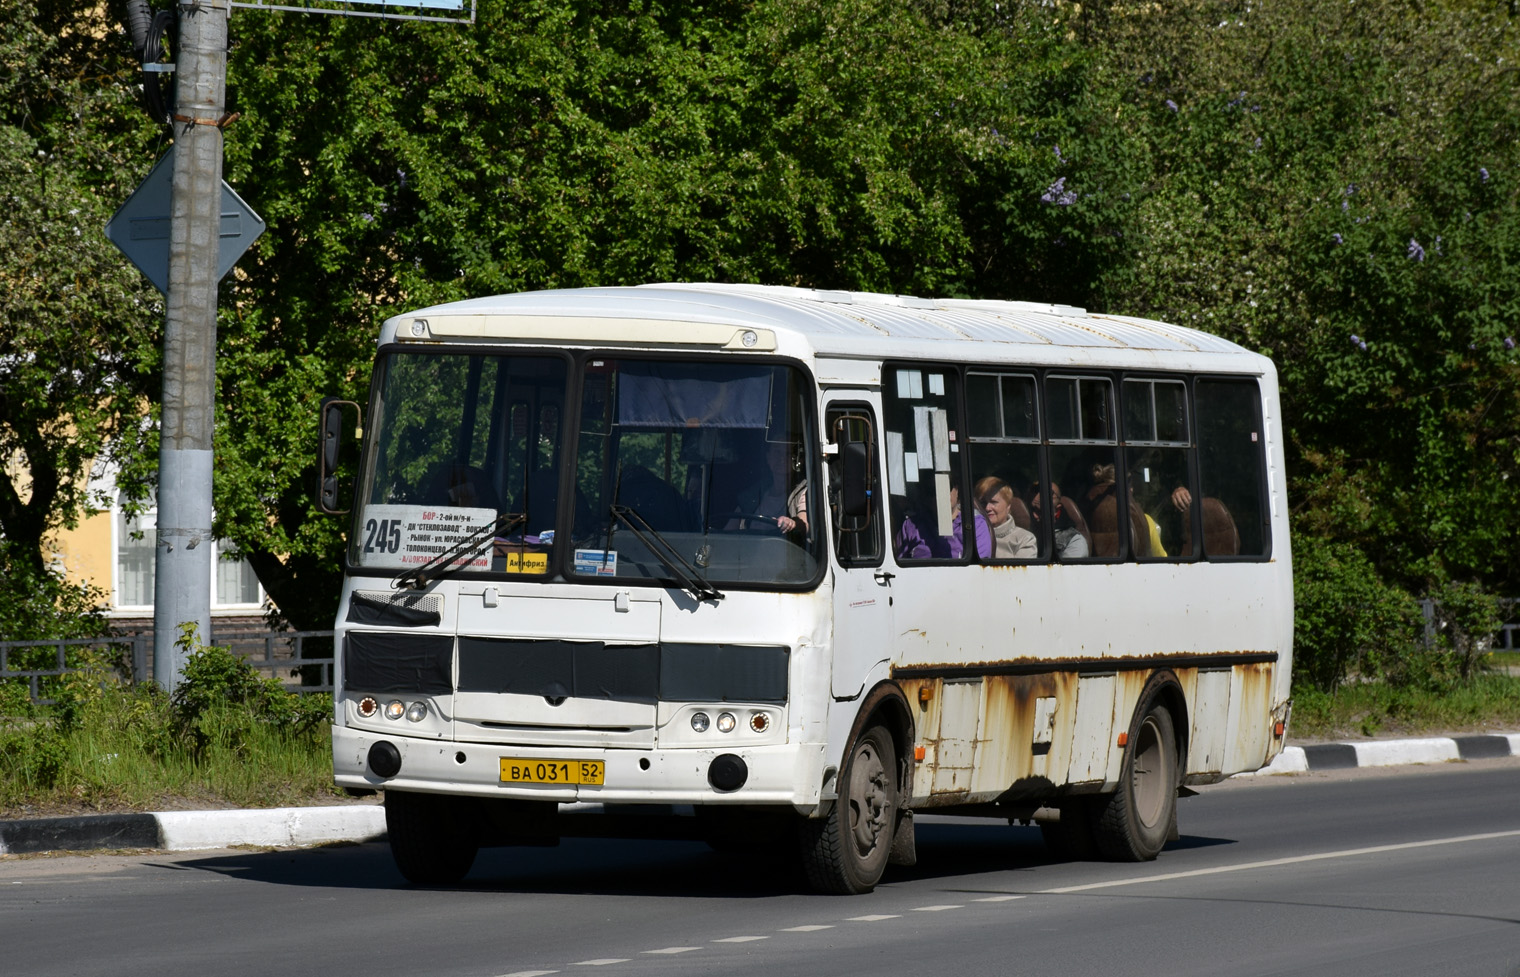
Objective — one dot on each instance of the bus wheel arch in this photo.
(1136, 821)
(847, 851)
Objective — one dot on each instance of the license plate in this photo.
(546, 771)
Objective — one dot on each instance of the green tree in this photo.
(77, 325)
(1338, 185)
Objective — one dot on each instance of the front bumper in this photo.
(786, 774)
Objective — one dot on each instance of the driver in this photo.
(771, 496)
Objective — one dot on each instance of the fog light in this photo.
(759, 722)
(417, 712)
(699, 722)
(368, 706)
(395, 709)
(726, 722)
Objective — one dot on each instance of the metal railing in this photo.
(1507, 638)
(286, 655)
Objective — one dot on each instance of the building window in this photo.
(233, 582)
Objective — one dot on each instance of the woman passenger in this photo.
(1011, 541)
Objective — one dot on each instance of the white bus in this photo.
(778, 563)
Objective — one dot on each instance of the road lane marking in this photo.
(998, 899)
(935, 909)
(531, 973)
(1274, 862)
(741, 939)
(878, 917)
(601, 962)
(810, 928)
(675, 949)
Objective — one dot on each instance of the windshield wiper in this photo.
(688, 576)
(419, 577)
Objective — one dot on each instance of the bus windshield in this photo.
(680, 470)
(704, 462)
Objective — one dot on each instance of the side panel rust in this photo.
(980, 739)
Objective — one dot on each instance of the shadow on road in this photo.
(947, 850)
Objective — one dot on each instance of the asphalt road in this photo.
(1369, 872)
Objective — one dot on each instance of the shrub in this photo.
(221, 699)
(1345, 617)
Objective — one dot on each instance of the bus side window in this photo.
(858, 537)
(922, 424)
(1003, 429)
(1231, 468)
(1157, 446)
(1083, 450)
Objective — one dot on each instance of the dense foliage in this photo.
(1336, 184)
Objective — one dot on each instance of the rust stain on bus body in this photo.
(1005, 709)
(1128, 662)
(1253, 726)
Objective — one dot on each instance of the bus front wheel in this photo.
(433, 838)
(846, 852)
(1134, 823)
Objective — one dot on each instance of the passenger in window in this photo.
(911, 544)
(1220, 535)
(1069, 528)
(1103, 516)
(996, 501)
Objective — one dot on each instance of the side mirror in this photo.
(855, 488)
(330, 452)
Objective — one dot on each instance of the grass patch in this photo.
(1487, 701)
(227, 738)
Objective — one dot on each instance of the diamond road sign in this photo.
(141, 227)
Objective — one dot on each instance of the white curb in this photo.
(1291, 760)
(274, 827)
(1393, 753)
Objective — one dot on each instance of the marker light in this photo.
(395, 709)
(368, 706)
(699, 722)
(419, 327)
(417, 712)
(749, 338)
(726, 722)
(759, 722)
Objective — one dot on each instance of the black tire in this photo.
(434, 839)
(1136, 821)
(1071, 838)
(847, 852)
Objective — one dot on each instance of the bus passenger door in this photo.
(862, 613)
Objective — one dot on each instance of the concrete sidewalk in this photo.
(302, 826)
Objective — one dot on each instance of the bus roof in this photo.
(842, 324)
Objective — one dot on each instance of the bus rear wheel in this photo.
(846, 852)
(1136, 820)
(434, 838)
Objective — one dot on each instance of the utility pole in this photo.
(182, 566)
